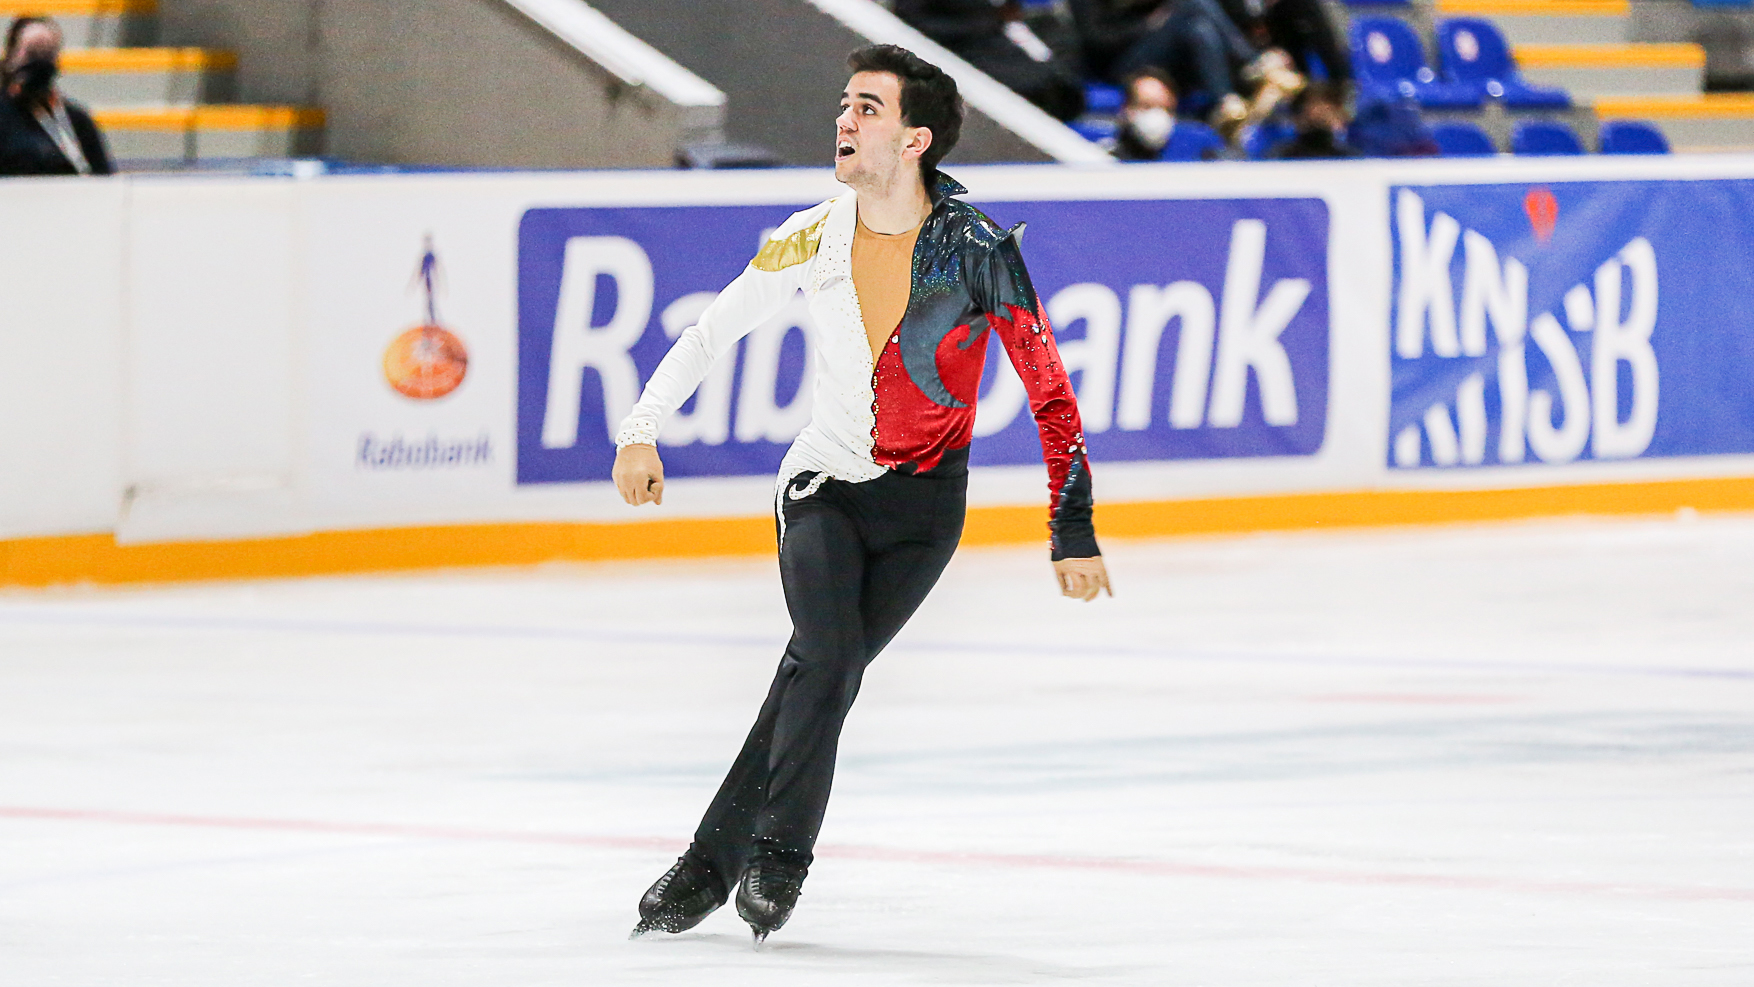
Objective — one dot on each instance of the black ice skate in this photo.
(766, 895)
(687, 893)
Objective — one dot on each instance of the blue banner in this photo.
(1194, 329)
(1571, 321)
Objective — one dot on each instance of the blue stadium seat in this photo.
(1099, 130)
(1263, 136)
(1462, 140)
(1632, 137)
(1544, 137)
(1192, 141)
(1390, 128)
(1388, 61)
(1474, 54)
(1723, 3)
(1100, 97)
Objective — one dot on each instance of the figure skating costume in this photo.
(869, 504)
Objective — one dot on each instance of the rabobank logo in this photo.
(427, 361)
(1192, 329)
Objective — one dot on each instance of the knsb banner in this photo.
(1576, 320)
(1193, 329)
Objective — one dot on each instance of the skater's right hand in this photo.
(639, 474)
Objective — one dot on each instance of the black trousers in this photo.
(856, 560)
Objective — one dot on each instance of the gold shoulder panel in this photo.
(777, 255)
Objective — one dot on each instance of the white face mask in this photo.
(1151, 125)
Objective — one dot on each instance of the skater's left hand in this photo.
(1083, 579)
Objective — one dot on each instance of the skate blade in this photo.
(640, 930)
(759, 935)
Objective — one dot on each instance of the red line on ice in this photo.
(1156, 868)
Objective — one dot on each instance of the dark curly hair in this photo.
(928, 97)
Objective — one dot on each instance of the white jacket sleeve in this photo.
(755, 296)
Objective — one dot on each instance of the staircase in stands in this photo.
(1583, 46)
(163, 107)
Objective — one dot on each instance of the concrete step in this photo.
(156, 137)
(1588, 71)
(93, 23)
(1549, 22)
(1709, 122)
(112, 77)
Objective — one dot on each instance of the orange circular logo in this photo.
(426, 362)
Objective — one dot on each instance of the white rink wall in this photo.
(201, 358)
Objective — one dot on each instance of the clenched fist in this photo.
(639, 474)
(1082, 579)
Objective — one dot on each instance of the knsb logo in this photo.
(1573, 375)
(427, 361)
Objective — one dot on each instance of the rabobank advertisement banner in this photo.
(1546, 323)
(1193, 329)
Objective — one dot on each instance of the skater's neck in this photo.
(895, 206)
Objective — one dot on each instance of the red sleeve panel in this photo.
(1016, 316)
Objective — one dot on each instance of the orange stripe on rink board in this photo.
(1636, 56)
(112, 60)
(179, 119)
(1534, 8)
(257, 117)
(76, 8)
(1718, 106)
(98, 559)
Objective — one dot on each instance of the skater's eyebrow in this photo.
(873, 97)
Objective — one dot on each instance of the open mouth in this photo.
(843, 150)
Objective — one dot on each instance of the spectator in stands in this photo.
(41, 131)
(1301, 29)
(1149, 130)
(1108, 30)
(991, 36)
(1213, 64)
(1320, 113)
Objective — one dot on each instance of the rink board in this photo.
(197, 367)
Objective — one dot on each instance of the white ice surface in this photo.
(1504, 755)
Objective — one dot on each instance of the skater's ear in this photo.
(917, 142)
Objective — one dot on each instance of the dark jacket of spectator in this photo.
(27, 149)
(1107, 29)
(975, 30)
(1300, 27)
(952, 22)
(1314, 143)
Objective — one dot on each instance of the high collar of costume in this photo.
(942, 187)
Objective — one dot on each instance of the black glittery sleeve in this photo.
(1014, 311)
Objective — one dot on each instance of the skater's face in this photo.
(871, 143)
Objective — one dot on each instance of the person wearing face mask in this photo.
(41, 131)
(1149, 130)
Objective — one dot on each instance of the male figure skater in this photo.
(904, 283)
